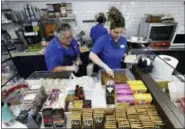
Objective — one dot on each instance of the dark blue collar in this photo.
(100, 24)
(111, 38)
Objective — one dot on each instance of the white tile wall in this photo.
(133, 11)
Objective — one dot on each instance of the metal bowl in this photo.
(137, 42)
(141, 40)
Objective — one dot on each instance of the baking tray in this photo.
(46, 74)
(126, 72)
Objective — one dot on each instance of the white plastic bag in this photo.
(176, 90)
(86, 82)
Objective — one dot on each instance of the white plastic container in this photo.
(90, 69)
(176, 90)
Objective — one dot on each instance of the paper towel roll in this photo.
(163, 68)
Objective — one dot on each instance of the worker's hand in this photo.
(78, 61)
(73, 68)
(109, 71)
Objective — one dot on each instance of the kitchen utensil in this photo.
(6, 38)
(32, 13)
(38, 13)
(20, 34)
(27, 17)
(35, 12)
(19, 45)
(14, 16)
(20, 15)
(50, 7)
(6, 14)
(137, 42)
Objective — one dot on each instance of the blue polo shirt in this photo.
(57, 55)
(97, 31)
(109, 51)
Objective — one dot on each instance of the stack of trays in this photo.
(133, 117)
(34, 97)
(143, 116)
(139, 116)
(76, 121)
(121, 118)
(154, 116)
(110, 122)
(31, 101)
(87, 119)
(98, 116)
(38, 89)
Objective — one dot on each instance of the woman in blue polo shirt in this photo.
(62, 53)
(110, 49)
(99, 29)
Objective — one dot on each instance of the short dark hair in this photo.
(101, 18)
(63, 27)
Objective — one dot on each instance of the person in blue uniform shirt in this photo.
(110, 49)
(99, 29)
(62, 52)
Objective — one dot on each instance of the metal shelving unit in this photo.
(9, 71)
(60, 18)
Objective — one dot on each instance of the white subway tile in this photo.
(134, 11)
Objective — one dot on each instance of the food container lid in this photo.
(143, 96)
(35, 87)
(135, 82)
(29, 97)
(138, 87)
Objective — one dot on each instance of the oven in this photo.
(157, 32)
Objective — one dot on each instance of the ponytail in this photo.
(115, 18)
(100, 18)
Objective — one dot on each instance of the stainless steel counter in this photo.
(150, 49)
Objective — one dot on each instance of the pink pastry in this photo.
(125, 99)
(122, 86)
(123, 91)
